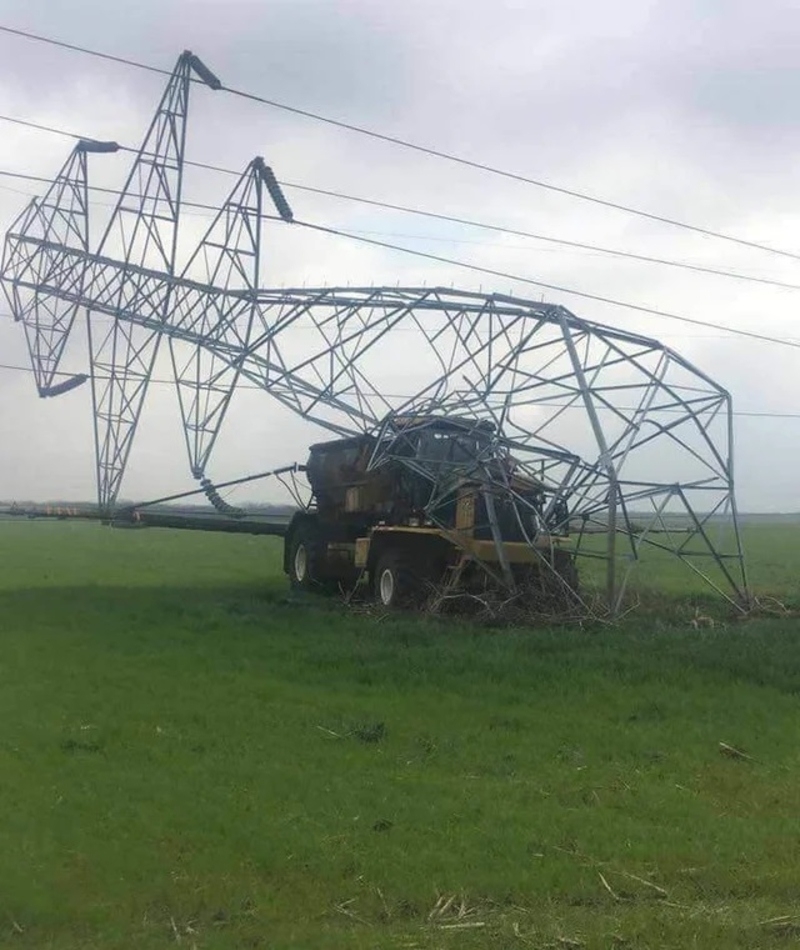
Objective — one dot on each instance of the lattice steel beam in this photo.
(588, 411)
(143, 230)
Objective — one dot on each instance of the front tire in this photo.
(395, 583)
(306, 559)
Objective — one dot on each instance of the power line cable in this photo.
(423, 149)
(25, 34)
(42, 128)
(597, 298)
(550, 405)
(517, 232)
(109, 191)
(453, 219)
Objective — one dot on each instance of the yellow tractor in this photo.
(429, 505)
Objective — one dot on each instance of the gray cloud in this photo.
(685, 108)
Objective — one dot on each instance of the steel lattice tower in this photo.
(591, 410)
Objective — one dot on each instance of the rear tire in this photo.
(306, 559)
(395, 583)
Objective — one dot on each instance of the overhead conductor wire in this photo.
(413, 146)
(652, 311)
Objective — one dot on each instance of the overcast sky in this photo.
(686, 108)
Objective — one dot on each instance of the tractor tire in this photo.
(395, 583)
(306, 560)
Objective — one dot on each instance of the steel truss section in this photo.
(143, 230)
(59, 218)
(631, 444)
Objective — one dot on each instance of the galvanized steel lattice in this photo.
(630, 441)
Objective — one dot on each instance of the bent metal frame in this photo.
(632, 442)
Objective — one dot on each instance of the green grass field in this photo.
(191, 757)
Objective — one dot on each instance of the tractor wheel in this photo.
(306, 560)
(395, 583)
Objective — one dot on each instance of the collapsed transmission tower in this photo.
(632, 444)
